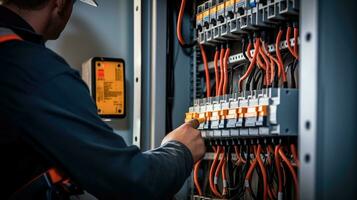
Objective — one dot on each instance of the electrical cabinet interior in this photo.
(246, 92)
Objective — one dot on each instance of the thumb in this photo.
(195, 123)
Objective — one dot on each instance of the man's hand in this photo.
(190, 137)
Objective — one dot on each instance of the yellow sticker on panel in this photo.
(110, 91)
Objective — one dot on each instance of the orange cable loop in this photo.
(251, 65)
(179, 23)
(205, 62)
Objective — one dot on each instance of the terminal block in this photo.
(222, 20)
(263, 113)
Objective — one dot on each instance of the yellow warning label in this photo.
(110, 94)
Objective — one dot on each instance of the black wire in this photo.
(250, 78)
(244, 48)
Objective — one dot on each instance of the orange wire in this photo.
(288, 33)
(278, 169)
(224, 176)
(212, 170)
(267, 66)
(281, 71)
(219, 170)
(225, 71)
(249, 48)
(221, 57)
(264, 173)
(205, 62)
(195, 177)
(216, 71)
(179, 23)
(292, 171)
(295, 155)
(251, 65)
(250, 172)
(272, 60)
(240, 159)
(296, 46)
(260, 63)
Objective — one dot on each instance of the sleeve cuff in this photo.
(187, 153)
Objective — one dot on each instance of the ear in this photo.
(62, 6)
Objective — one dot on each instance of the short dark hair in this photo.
(27, 4)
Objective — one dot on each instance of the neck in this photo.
(38, 19)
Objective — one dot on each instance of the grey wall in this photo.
(104, 31)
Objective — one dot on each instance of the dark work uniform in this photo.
(47, 118)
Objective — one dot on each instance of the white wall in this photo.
(104, 31)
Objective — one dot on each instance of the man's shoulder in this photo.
(30, 54)
(30, 60)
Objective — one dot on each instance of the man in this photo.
(47, 119)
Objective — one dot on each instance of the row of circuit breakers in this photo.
(219, 20)
(268, 112)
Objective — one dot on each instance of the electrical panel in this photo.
(246, 93)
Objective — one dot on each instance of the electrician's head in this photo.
(47, 17)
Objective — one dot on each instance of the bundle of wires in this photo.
(252, 63)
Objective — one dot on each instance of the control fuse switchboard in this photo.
(246, 93)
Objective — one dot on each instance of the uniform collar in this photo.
(17, 24)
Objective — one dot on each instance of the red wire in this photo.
(216, 71)
(205, 62)
(264, 173)
(249, 48)
(224, 176)
(281, 71)
(278, 169)
(250, 172)
(225, 65)
(294, 152)
(218, 171)
(251, 65)
(296, 46)
(267, 65)
(179, 23)
(272, 61)
(212, 170)
(221, 57)
(288, 32)
(292, 171)
(195, 177)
